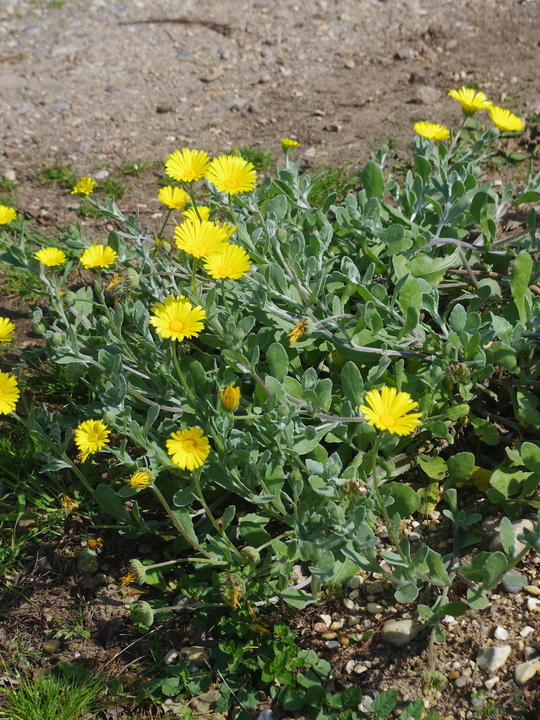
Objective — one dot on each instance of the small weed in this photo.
(57, 175)
(86, 210)
(209, 126)
(260, 158)
(335, 178)
(23, 283)
(112, 188)
(134, 168)
(75, 629)
(7, 185)
(57, 3)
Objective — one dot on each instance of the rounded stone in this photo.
(50, 646)
(525, 671)
(490, 659)
(399, 632)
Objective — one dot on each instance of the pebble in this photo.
(532, 590)
(326, 619)
(355, 582)
(517, 527)
(332, 644)
(375, 588)
(329, 636)
(349, 64)
(164, 107)
(101, 174)
(525, 671)
(319, 627)
(526, 631)
(348, 604)
(373, 608)
(100, 579)
(500, 633)
(336, 625)
(359, 669)
(195, 654)
(463, 681)
(170, 657)
(491, 682)
(266, 714)
(490, 659)
(349, 667)
(399, 632)
(50, 646)
(352, 620)
(354, 595)
(530, 651)
(533, 605)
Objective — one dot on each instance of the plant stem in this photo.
(162, 228)
(219, 528)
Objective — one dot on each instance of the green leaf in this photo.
(477, 597)
(515, 579)
(460, 467)
(414, 710)
(296, 598)
(406, 501)
(410, 295)
(111, 503)
(455, 609)
(530, 454)
(278, 361)
(251, 529)
(434, 467)
(528, 196)
(406, 593)
(432, 269)
(506, 534)
(494, 567)
(373, 180)
(526, 408)
(519, 284)
(384, 704)
(458, 318)
(352, 383)
(454, 412)
(485, 430)
(184, 497)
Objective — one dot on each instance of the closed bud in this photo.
(238, 335)
(141, 479)
(281, 234)
(57, 339)
(40, 328)
(230, 397)
(133, 278)
(69, 297)
(109, 417)
(282, 411)
(251, 554)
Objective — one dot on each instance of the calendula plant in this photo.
(266, 375)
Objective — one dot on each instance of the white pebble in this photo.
(326, 619)
(347, 603)
(354, 595)
(491, 682)
(373, 608)
(332, 644)
(349, 667)
(500, 633)
(526, 631)
(533, 605)
(355, 582)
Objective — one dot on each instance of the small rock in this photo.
(170, 657)
(50, 646)
(517, 526)
(463, 681)
(374, 608)
(101, 174)
(533, 605)
(344, 640)
(354, 595)
(426, 95)
(348, 604)
(532, 590)
(352, 620)
(164, 107)
(404, 54)
(326, 619)
(451, 44)
(266, 714)
(526, 631)
(375, 588)
(491, 682)
(525, 671)
(206, 702)
(336, 625)
(329, 636)
(319, 627)
(349, 64)
(355, 582)
(194, 654)
(490, 659)
(100, 579)
(530, 651)
(399, 632)
(333, 127)
(10, 174)
(500, 633)
(210, 77)
(349, 667)
(62, 50)
(359, 669)
(332, 644)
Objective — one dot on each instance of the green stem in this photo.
(193, 201)
(224, 298)
(178, 526)
(162, 228)
(219, 528)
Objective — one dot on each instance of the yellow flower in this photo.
(230, 397)
(301, 328)
(141, 479)
(91, 436)
(7, 328)
(176, 318)
(232, 174)
(188, 448)
(187, 165)
(432, 131)
(287, 144)
(191, 213)
(98, 256)
(50, 256)
(127, 579)
(7, 214)
(84, 186)
(387, 410)
(9, 393)
(233, 262)
(230, 229)
(505, 120)
(200, 238)
(471, 100)
(69, 503)
(173, 197)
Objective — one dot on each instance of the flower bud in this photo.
(458, 373)
(109, 417)
(282, 411)
(230, 397)
(238, 335)
(141, 479)
(57, 339)
(281, 235)
(40, 328)
(251, 554)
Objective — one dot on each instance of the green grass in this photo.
(260, 158)
(86, 210)
(335, 178)
(20, 282)
(134, 168)
(57, 175)
(112, 188)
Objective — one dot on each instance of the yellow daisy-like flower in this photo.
(141, 479)
(432, 131)
(230, 229)
(389, 410)
(230, 397)
(7, 214)
(232, 174)
(173, 197)
(505, 120)
(50, 256)
(200, 238)
(98, 256)
(191, 213)
(287, 144)
(471, 100)
(188, 448)
(187, 165)
(91, 436)
(84, 186)
(233, 262)
(301, 328)
(7, 328)
(176, 318)
(9, 393)
(69, 503)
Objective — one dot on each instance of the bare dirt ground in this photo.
(83, 85)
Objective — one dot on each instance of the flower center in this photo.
(225, 270)
(189, 446)
(93, 437)
(387, 420)
(189, 175)
(176, 325)
(230, 183)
